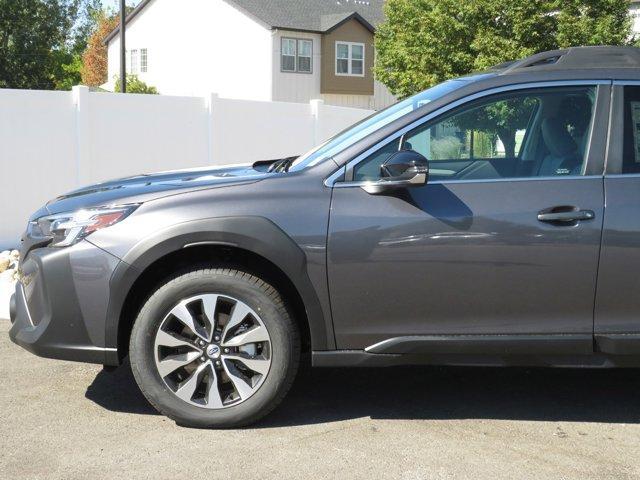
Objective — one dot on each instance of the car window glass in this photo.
(381, 119)
(542, 132)
(631, 145)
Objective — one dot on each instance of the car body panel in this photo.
(286, 224)
(145, 187)
(61, 302)
(618, 302)
(468, 257)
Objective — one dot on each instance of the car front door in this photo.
(498, 252)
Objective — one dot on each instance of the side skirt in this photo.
(576, 350)
(580, 344)
(618, 343)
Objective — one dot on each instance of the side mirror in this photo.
(406, 168)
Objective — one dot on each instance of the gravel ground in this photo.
(73, 421)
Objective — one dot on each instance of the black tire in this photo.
(256, 293)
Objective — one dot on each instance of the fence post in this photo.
(80, 95)
(210, 101)
(316, 105)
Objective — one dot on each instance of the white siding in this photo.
(634, 10)
(295, 87)
(200, 46)
(380, 99)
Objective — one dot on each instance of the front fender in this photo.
(255, 234)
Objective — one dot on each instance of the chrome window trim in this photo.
(332, 180)
(480, 180)
(626, 82)
(484, 93)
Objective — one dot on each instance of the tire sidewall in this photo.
(237, 285)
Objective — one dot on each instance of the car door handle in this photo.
(565, 216)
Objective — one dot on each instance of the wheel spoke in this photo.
(172, 362)
(255, 335)
(214, 400)
(239, 313)
(242, 387)
(209, 303)
(190, 341)
(165, 339)
(182, 313)
(188, 387)
(257, 364)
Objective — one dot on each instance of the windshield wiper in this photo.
(281, 165)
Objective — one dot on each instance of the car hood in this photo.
(145, 187)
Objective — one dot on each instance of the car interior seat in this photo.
(562, 157)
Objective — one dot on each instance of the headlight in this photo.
(65, 229)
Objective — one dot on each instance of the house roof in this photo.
(302, 15)
(312, 15)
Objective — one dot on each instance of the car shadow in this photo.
(438, 393)
(116, 390)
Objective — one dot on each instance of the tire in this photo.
(225, 286)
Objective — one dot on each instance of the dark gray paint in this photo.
(618, 299)
(254, 234)
(461, 258)
(66, 292)
(468, 257)
(286, 224)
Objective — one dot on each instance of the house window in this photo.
(350, 59)
(134, 61)
(296, 55)
(304, 55)
(143, 60)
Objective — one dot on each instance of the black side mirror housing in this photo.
(405, 168)
(404, 164)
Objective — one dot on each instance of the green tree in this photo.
(41, 42)
(594, 22)
(501, 119)
(135, 85)
(424, 42)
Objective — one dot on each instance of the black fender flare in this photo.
(255, 234)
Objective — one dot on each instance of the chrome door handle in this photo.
(553, 215)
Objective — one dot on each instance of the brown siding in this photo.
(351, 31)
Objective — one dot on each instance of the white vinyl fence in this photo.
(53, 142)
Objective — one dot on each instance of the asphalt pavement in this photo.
(62, 420)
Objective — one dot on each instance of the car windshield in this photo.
(377, 121)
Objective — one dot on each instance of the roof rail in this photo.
(583, 58)
(545, 58)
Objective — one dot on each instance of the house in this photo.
(272, 50)
(634, 11)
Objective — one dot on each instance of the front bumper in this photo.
(60, 303)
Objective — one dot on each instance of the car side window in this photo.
(631, 143)
(532, 133)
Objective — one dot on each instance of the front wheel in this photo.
(214, 348)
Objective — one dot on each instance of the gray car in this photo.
(489, 220)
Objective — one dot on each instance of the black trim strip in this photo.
(552, 344)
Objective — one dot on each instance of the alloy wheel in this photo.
(212, 351)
